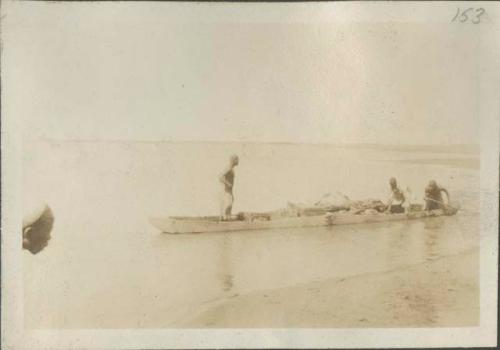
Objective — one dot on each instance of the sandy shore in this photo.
(438, 293)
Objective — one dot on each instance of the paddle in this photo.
(410, 195)
(440, 202)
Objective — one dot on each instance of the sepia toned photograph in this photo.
(277, 168)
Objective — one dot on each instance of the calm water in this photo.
(106, 266)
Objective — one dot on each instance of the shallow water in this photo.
(107, 267)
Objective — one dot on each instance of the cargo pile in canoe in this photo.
(293, 216)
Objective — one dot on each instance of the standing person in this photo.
(433, 197)
(227, 179)
(396, 199)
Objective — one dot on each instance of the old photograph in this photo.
(280, 167)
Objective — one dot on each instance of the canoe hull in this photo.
(212, 224)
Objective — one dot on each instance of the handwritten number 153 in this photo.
(474, 14)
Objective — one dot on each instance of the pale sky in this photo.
(120, 73)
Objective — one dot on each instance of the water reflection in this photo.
(416, 241)
(398, 244)
(225, 264)
(227, 282)
(434, 224)
(433, 235)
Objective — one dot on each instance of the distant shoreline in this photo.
(430, 148)
(459, 163)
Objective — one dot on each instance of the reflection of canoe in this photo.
(178, 224)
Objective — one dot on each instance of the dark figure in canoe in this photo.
(433, 197)
(396, 199)
(227, 179)
(37, 225)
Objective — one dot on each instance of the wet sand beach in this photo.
(440, 293)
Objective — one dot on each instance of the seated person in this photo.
(396, 199)
(433, 197)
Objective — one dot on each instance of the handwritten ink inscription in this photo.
(472, 14)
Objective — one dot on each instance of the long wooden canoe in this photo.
(178, 224)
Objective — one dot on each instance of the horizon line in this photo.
(251, 142)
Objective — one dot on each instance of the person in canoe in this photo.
(227, 179)
(433, 197)
(396, 199)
